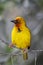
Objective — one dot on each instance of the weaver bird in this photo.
(21, 36)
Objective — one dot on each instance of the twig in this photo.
(17, 48)
(8, 43)
(4, 42)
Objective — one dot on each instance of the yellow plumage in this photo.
(21, 39)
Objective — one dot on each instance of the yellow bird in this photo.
(21, 36)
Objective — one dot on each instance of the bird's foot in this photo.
(11, 45)
(25, 50)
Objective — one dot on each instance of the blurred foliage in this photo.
(40, 3)
(1, 8)
(18, 1)
(8, 49)
(8, 62)
(2, 5)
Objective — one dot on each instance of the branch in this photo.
(8, 43)
(4, 41)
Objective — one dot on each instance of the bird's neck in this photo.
(20, 27)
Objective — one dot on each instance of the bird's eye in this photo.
(17, 21)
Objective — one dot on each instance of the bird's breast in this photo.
(21, 39)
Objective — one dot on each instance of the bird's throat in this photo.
(19, 30)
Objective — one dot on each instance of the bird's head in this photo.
(19, 21)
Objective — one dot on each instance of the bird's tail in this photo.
(25, 55)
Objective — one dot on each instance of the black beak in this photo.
(14, 21)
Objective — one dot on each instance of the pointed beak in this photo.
(14, 21)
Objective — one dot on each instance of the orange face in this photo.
(19, 21)
(18, 24)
